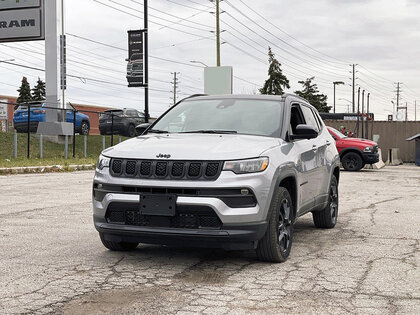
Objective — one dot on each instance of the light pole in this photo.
(196, 61)
(336, 83)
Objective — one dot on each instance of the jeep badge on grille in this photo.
(163, 156)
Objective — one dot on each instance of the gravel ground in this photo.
(53, 262)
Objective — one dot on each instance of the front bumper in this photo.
(229, 237)
(240, 226)
(370, 158)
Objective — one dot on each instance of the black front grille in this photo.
(130, 167)
(145, 168)
(116, 166)
(193, 217)
(194, 169)
(161, 168)
(184, 170)
(212, 169)
(178, 169)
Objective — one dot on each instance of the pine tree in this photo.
(24, 92)
(38, 92)
(277, 81)
(311, 93)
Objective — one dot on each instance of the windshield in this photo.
(242, 116)
(337, 133)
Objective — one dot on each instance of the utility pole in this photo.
(175, 87)
(358, 111)
(218, 31)
(363, 111)
(353, 87)
(415, 110)
(146, 63)
(367, 117)
(398, 94)
(406, 111)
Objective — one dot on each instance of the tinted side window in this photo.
(310, 118)
(132, 113)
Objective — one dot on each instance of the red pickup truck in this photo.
(354, 153)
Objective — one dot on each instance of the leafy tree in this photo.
(277, 81)
(38, 92)
(24, 92)
(311, 93)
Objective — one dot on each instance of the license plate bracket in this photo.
(160, 205)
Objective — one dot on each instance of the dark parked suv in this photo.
(120, 121)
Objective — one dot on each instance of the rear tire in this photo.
(131, 131)
(352, 162)
(327, 218)
(84, 128)
(276, 244)
(117, 246)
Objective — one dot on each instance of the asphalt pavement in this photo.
(52, 261)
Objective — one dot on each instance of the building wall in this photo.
(392, 134)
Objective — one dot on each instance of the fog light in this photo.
(244, 191)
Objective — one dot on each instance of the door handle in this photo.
(314, 147)
(328, 142)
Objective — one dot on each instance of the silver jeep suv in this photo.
(219, 171)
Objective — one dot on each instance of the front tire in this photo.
(352, 162)
(117, 246)
(327, 218)
(276, 244)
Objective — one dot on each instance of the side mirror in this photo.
(304, 132)
(140, 129)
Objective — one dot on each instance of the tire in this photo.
(352, 162)
(276, 244)
(131, 131)
(327, 218)
(117, 246)
(84, 128)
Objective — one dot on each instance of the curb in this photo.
(45, 169)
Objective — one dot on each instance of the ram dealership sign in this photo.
(21, 20)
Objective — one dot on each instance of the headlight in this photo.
(368, 149)
(246, 166)
(103, 161)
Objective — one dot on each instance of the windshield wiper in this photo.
(212, 131)
(156, 131)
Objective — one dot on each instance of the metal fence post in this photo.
(103, 143)
(74, 133)
(41, 155)
(119, 139)
(15, 145)
(66, 144)
(112, 129)
(84, 145)
(29, 132)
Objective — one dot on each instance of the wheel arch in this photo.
(289, 182)
(348, 150)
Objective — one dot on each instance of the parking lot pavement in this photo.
(52, 260)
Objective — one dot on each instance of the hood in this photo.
(193, 147)
(359, 141)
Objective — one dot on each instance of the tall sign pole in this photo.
(218, 31)
(146, 63)
(51, 57)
